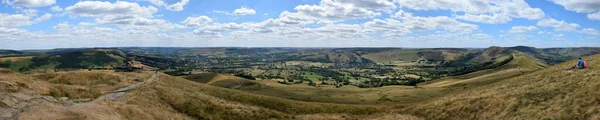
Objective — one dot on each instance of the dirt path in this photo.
(119, 93)
(11, 106)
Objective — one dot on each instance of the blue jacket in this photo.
(580, 64)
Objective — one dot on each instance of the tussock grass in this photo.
(87, 84)
(210, 102)
(551, 93)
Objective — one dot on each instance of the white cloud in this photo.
(594, 16)
(30, 3)
(98, 8)
(402, 14)
(483, 18)
(128, 16)
(384, 5)
(483, 11)
(396, 28)
(582, 6)
(558, 36)
(43, 18)
(244, 11)
(336, 10)
(197, 21)
(172, 7)
(558, 25)
(56, 9)
(590, 31)
(13, 31)
(522, 29)
(25, 19)
(14, 20)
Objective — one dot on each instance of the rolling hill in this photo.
(507, 67)
(226, 81)
(550, 93)
(92, 58)
(9, 53)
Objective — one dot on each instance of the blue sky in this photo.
(43, 24)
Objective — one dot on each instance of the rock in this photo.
(64, 98)
(8, 102)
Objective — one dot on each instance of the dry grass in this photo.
(87, 84)
(205, 101)
(551, 93)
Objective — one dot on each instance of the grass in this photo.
(551, 93)
(86, 84)
(211, 102)
(221, 80)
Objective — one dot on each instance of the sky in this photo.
(46, 24)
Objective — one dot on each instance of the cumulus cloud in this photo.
(522, 29)
(336, 10)
(244, 11)
(483, 11)
(98, 8)
(484, 18)
(396, 28)
(582, 6)
(558, 25)
(172, 7)
(25, 19)
(129, 16)
(590, 31)
(30, 3)
(197, 21)
(594, 16)
(56, 9)
(383, 5)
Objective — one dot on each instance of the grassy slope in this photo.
(210, 102)
(520, 65)
(220, 80)
(552, 93)
(96, 58)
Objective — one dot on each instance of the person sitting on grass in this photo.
(580, 65)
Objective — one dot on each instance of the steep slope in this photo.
(518, 64)
(93, 58)
(551, 93)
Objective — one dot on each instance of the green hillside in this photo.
(9, 53)
(94, 58)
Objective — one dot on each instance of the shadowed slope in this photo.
(519, 64)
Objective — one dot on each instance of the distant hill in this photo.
(9, 53)
(92, 58)
(510, 66)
